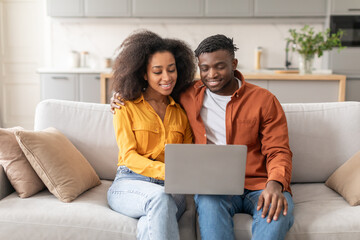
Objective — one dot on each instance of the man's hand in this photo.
(115, 102)
(273, 195)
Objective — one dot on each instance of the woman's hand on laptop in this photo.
(272, 195)
(115, 102)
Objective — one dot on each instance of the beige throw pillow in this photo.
(17, 168)
(63, 169)
(346, 180)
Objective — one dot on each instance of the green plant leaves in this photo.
(307, 42)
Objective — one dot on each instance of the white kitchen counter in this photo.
(273, 71)
(74, 70)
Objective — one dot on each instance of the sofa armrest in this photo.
(5, 186)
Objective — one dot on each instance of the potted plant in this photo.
(308, 44)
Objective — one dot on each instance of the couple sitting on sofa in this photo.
(151, 75)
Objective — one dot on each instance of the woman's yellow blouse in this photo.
(141, 135)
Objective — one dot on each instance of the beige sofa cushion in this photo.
(319, 214)
(17, 168)
(62, 168)
(44, 217)
(346, 180)
(87, 217)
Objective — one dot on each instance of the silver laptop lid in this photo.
(205, 169)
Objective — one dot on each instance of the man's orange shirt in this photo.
(141, 135)
(254, 117)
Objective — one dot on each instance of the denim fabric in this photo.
(143, 198)
(216, 213)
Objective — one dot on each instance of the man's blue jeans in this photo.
(216, 216)
(144, 198)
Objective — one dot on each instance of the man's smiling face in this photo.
(217, 71)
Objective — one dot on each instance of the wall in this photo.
(21, 42)
(100, 37)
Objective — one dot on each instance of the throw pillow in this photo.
(17, 168)
(346, 180)
(63, 169)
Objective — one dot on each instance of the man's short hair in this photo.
(214, 43)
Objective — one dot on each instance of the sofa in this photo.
(323, 136)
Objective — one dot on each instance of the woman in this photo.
(150, 72)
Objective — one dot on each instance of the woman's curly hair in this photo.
(131, 63)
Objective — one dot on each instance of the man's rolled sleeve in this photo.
(275, 145)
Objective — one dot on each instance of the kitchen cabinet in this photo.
(84, 87)
(107, 8)
(345, 7)
(289, 8)
(304, 91)
(89, 8)
(346, 61)
(295, 88)
(167, 8)
(59, 86)
(300, 91)
(229, 8)
(89, 88)
(186, 8)
(353, 89)
(65, 8)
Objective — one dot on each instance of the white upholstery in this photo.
(322, 137)
(43, 216)
(320, 214)
(88, 126)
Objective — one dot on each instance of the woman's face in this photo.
(161, 73)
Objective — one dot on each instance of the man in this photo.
(224, 109)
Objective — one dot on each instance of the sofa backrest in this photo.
(88, 126)
(322, 135)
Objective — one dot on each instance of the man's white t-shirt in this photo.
(213, 113)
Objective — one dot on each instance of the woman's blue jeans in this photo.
(143, 198)
(216, 216)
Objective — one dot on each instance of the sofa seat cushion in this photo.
(43, 216)
(320, 214)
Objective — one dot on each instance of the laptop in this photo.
(205, 169)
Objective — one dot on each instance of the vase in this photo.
(305, 63)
